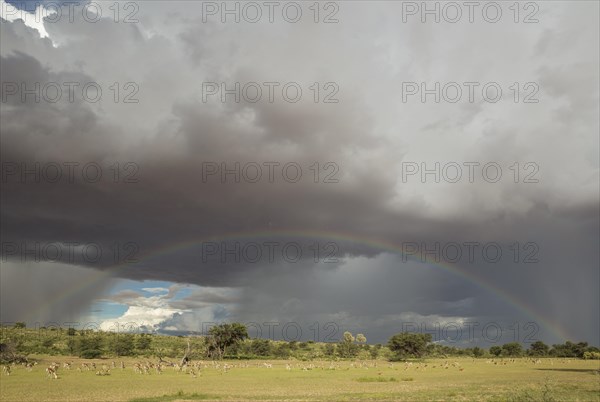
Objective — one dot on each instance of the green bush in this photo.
(122, 345)
(377, 379)
(260, 347)
(90, 347)
(591, 355)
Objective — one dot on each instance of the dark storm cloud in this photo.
(123, 296)
(47, 292)
(171, 134)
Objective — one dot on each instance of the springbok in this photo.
(51, 372)
(137, 368)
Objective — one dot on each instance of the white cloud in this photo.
(162, 312)
(140, 317)
(33, 19)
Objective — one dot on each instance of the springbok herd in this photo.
(196, 368)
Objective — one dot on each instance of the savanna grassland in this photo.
(453, 379)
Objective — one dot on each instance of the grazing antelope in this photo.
(137, 368)
(51, 372)
(6, 369)
(67, 365)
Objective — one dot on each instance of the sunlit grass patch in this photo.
(178, 396)
(376, 379)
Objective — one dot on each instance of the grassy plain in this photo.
(464, 379)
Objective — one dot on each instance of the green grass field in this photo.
(464, 379)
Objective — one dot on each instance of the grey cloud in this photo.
(368, 134)
(45, 293)
(123, 296)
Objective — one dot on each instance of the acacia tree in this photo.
(407, 344)
(495, 350)
(538, 348)
(346, 346)
(222, 336)
(512, 349)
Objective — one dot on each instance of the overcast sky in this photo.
(167, 124)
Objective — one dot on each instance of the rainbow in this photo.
(377, 244)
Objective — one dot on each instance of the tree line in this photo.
(231, 341)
